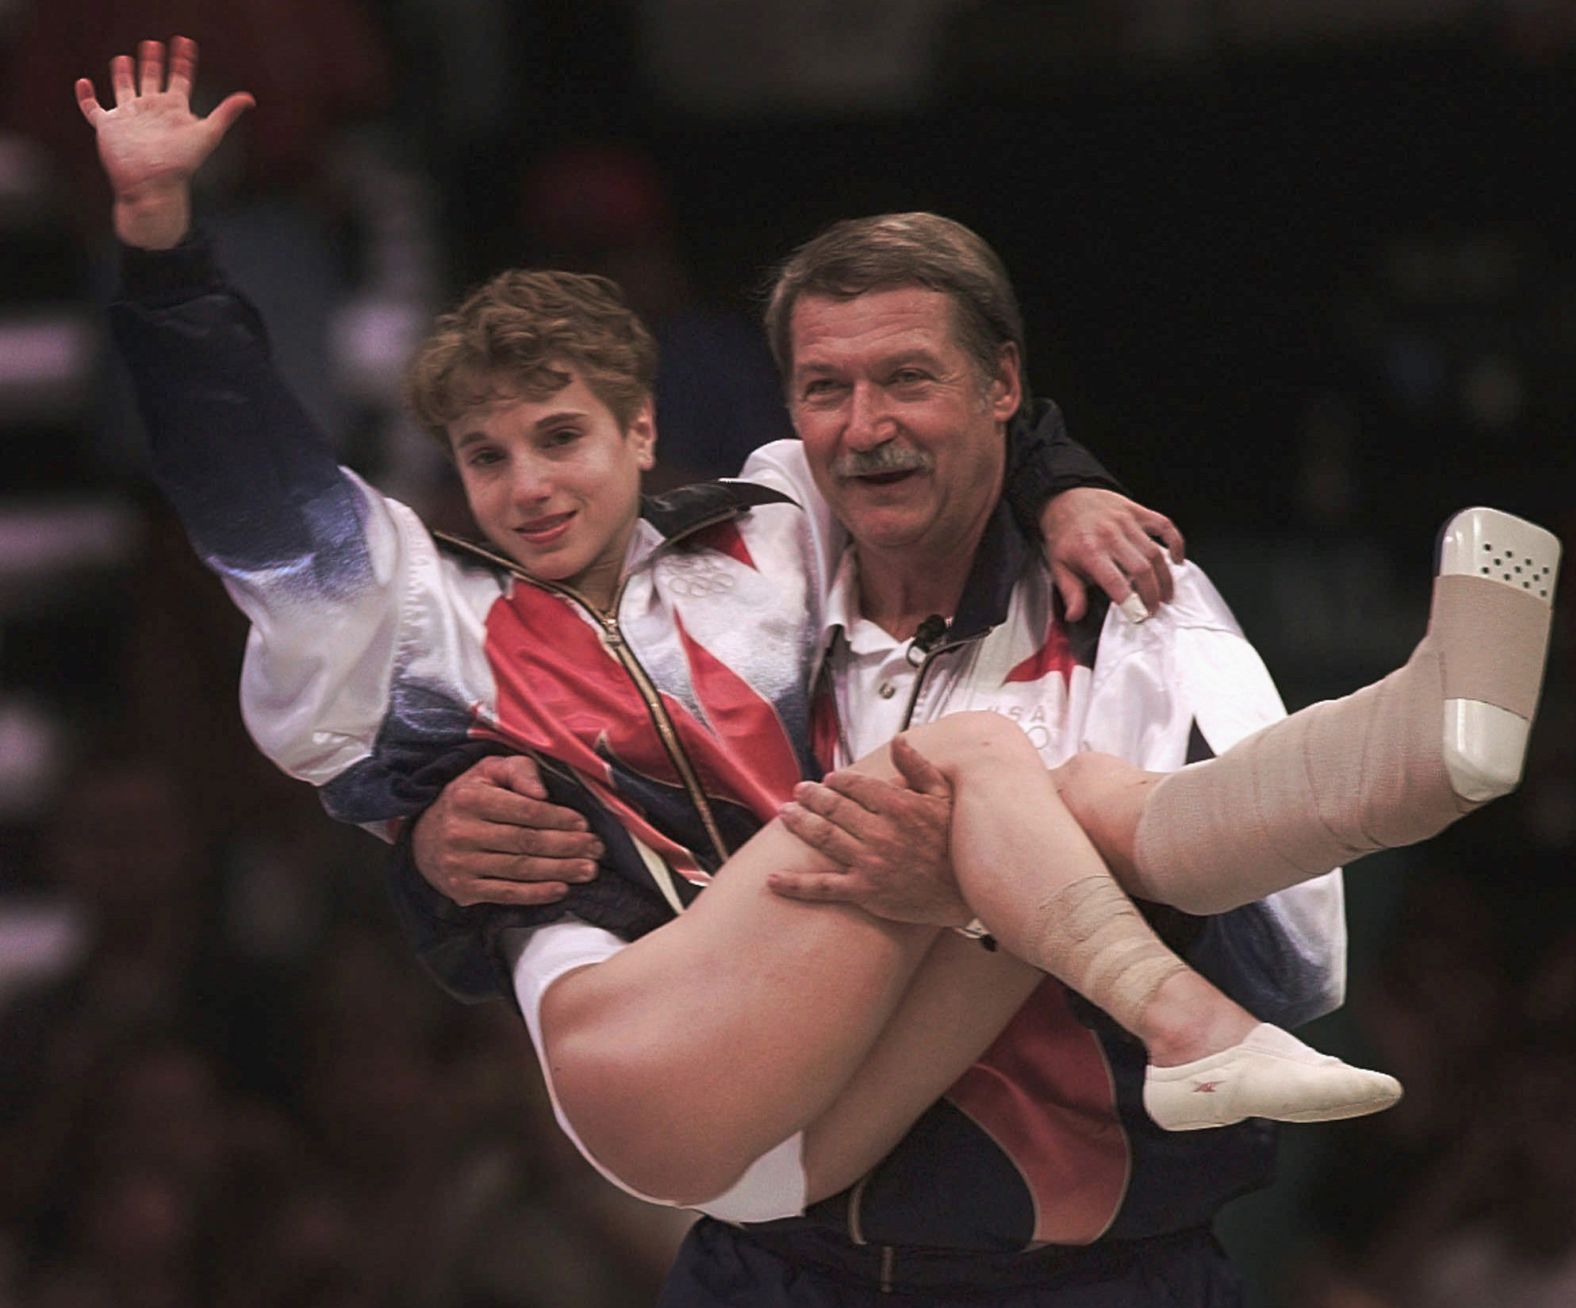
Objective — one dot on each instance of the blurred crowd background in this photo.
(1299, 270)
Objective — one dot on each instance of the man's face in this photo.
(902, 433)
(555, 483)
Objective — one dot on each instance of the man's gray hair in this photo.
(894, 250)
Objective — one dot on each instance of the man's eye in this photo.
(561, 436)
(909, 376)
(818, 389)
(484, 458)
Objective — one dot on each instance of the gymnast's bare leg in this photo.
(766, 1011)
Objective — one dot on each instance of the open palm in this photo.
(151, 139)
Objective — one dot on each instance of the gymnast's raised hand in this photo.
(151, 143)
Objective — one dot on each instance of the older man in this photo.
(1037, 1178)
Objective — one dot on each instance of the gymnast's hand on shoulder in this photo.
(889, 842)
(1095, 537)
(491, 837)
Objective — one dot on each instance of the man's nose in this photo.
(869, 422)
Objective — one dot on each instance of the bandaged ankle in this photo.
(1391, 765)
(1089, 936)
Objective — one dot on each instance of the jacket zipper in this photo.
(613, 638)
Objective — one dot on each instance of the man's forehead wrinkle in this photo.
(826, 341)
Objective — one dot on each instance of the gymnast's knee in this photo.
(978, 738)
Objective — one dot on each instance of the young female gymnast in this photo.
(813, 1035)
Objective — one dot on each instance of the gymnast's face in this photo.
(902, 431)
(554, 482)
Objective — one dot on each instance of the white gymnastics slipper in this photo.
(1269, 1074)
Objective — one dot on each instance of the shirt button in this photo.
(887, 690)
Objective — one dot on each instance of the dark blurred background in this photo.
(1300, 272)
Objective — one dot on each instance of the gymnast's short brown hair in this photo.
(512, 335)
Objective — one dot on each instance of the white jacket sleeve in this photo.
(336, 634)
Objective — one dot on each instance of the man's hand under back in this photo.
(491, 837)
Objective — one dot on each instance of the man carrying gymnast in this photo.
(617, 1022)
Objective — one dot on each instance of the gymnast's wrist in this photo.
(154, 217)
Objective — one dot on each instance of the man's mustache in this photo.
(883, 459)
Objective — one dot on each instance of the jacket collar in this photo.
(686, 508)
(1002, 557)
(999, 560)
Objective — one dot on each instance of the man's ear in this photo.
(642, 430)
(1006, 387)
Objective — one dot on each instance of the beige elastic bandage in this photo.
(1346, 777)
(1496, 639)
(1091, 937)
